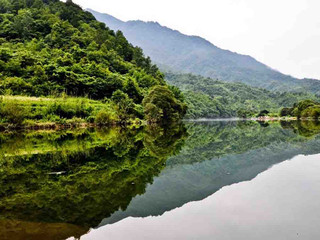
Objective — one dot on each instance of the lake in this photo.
(197, 180)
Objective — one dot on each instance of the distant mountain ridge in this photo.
(172, 50)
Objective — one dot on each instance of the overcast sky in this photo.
(284, 34)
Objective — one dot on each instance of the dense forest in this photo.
(211, 98)
(52, 48)
(303, 109)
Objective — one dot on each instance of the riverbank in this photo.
(267, 118)
(36, 113)
(259, 119)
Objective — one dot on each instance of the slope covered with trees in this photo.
(211, 98)
(48, 47)
(175, 51)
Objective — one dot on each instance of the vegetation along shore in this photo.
(58, 65)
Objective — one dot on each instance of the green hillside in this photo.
(48, 47)
(211, 98)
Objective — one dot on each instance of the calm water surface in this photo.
(202, 180)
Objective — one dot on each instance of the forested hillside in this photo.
(211, 98)
(48, 47)
(177, 52)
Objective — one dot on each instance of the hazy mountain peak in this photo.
(175, 51)
(104, 17)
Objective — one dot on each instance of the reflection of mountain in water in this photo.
(239, 153)
(61, 184)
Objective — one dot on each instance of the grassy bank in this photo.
(62, 112)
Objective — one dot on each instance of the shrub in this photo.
(13, 112)
(161, 106)
(263, 113)
(286, 112)
(74, 121)
(103, 118)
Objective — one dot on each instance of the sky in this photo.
(283, 34)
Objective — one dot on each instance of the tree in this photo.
(263, 113)
(286, 112)
(5, 6)
(125, 105)
(37, 4)
(162, 107)
(132, 89)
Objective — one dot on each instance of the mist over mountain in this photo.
(174, 51)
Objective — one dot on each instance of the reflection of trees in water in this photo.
(21, 230)
(215, 155)
(306, 128)
(209, 140)
(94, 175)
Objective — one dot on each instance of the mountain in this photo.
(172, 50)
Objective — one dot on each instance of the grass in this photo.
(50, 112)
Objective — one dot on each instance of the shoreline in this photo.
(82, 125)
(57, 127)
(267, 119)
(258, 119)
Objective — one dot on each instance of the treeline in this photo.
(303, 109)
(209, 98)
(48, 47)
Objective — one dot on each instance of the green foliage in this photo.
(245, 113)
(12, 112)
(285, 112)
(49, 47)
(209, 98)
(103, 118)
(161, 106)
(31, 111)
(263, 113)
(303, 109)
(59, 47)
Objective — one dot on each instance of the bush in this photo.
(161, 106)
(263, 113)
(103, 118)
(75, 121)
(13, 112)
(286, 112)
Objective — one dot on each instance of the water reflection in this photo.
(68, 182)
(215, 155)
(61, 184)
(280, 203)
